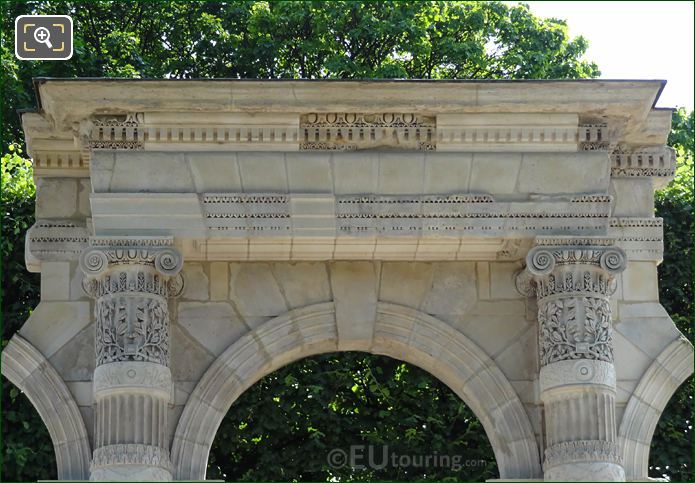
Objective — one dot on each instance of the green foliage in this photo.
(27, 451)
(312, 39)
(672, 445)
(284, 426)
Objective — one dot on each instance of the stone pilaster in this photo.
(573, 280)
(131, 281)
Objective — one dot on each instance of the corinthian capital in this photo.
(557, 252)
(573, 280)
(131, 280)
(566, 265)
(147, 265)
(110, 252)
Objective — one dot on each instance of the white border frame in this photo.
(72, 33)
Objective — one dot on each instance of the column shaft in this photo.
(132, 382)
(573, 284)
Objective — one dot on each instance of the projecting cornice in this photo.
(79, 116)
(74, 99)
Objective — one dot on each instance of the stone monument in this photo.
(194, 236)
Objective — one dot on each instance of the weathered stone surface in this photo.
(354, 286)
(255, 291)
(101, 170)
(518, 360)
(263, 172)
(405, 283)
(56, 197)
(75, 361)
(52, 324)
(303, 283)
(156, 173)
(462, 227)
(493, 333)
(640, 282)
(630, 361)
(356, 173)
(584, 172)
(399, 174)
(453, 291)
(214, 172)
(447, 173)
(309, 172)
(650, 334)
(482, 272)
(502, 280)
(190, 359)
(197, 283)
(76, 278)
(84, 190)
(213, 324)
(494, 173)
(634, 198)
(55, 281)
(82, 392)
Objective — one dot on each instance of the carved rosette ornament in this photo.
(131, 281)
(573, 280)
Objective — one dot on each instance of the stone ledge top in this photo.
(64, 99)
(76, 117)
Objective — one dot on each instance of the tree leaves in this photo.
(27, 451)
(277, 39)
(283, 428)
(671, 455)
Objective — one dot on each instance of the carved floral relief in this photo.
(575, 328)
(132, 329)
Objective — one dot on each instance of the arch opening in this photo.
(646, 405)
(27, 449)
(677, 464)
(350, 416)
(399, 332)
(32, 373)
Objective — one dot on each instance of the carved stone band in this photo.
(575, 328)
(131, 377)
(577, 372)
(582, 451)
(130, 462)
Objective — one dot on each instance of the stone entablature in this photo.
(294, 218)
(354, 131)
(457, 117)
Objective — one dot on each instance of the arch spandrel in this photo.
(470, 373)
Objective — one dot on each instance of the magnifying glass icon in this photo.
(43, 36)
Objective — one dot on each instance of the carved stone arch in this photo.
(645, 406)
(31, 372)
(398, 332)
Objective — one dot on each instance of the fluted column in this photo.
(131, 281)
(573, 280)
